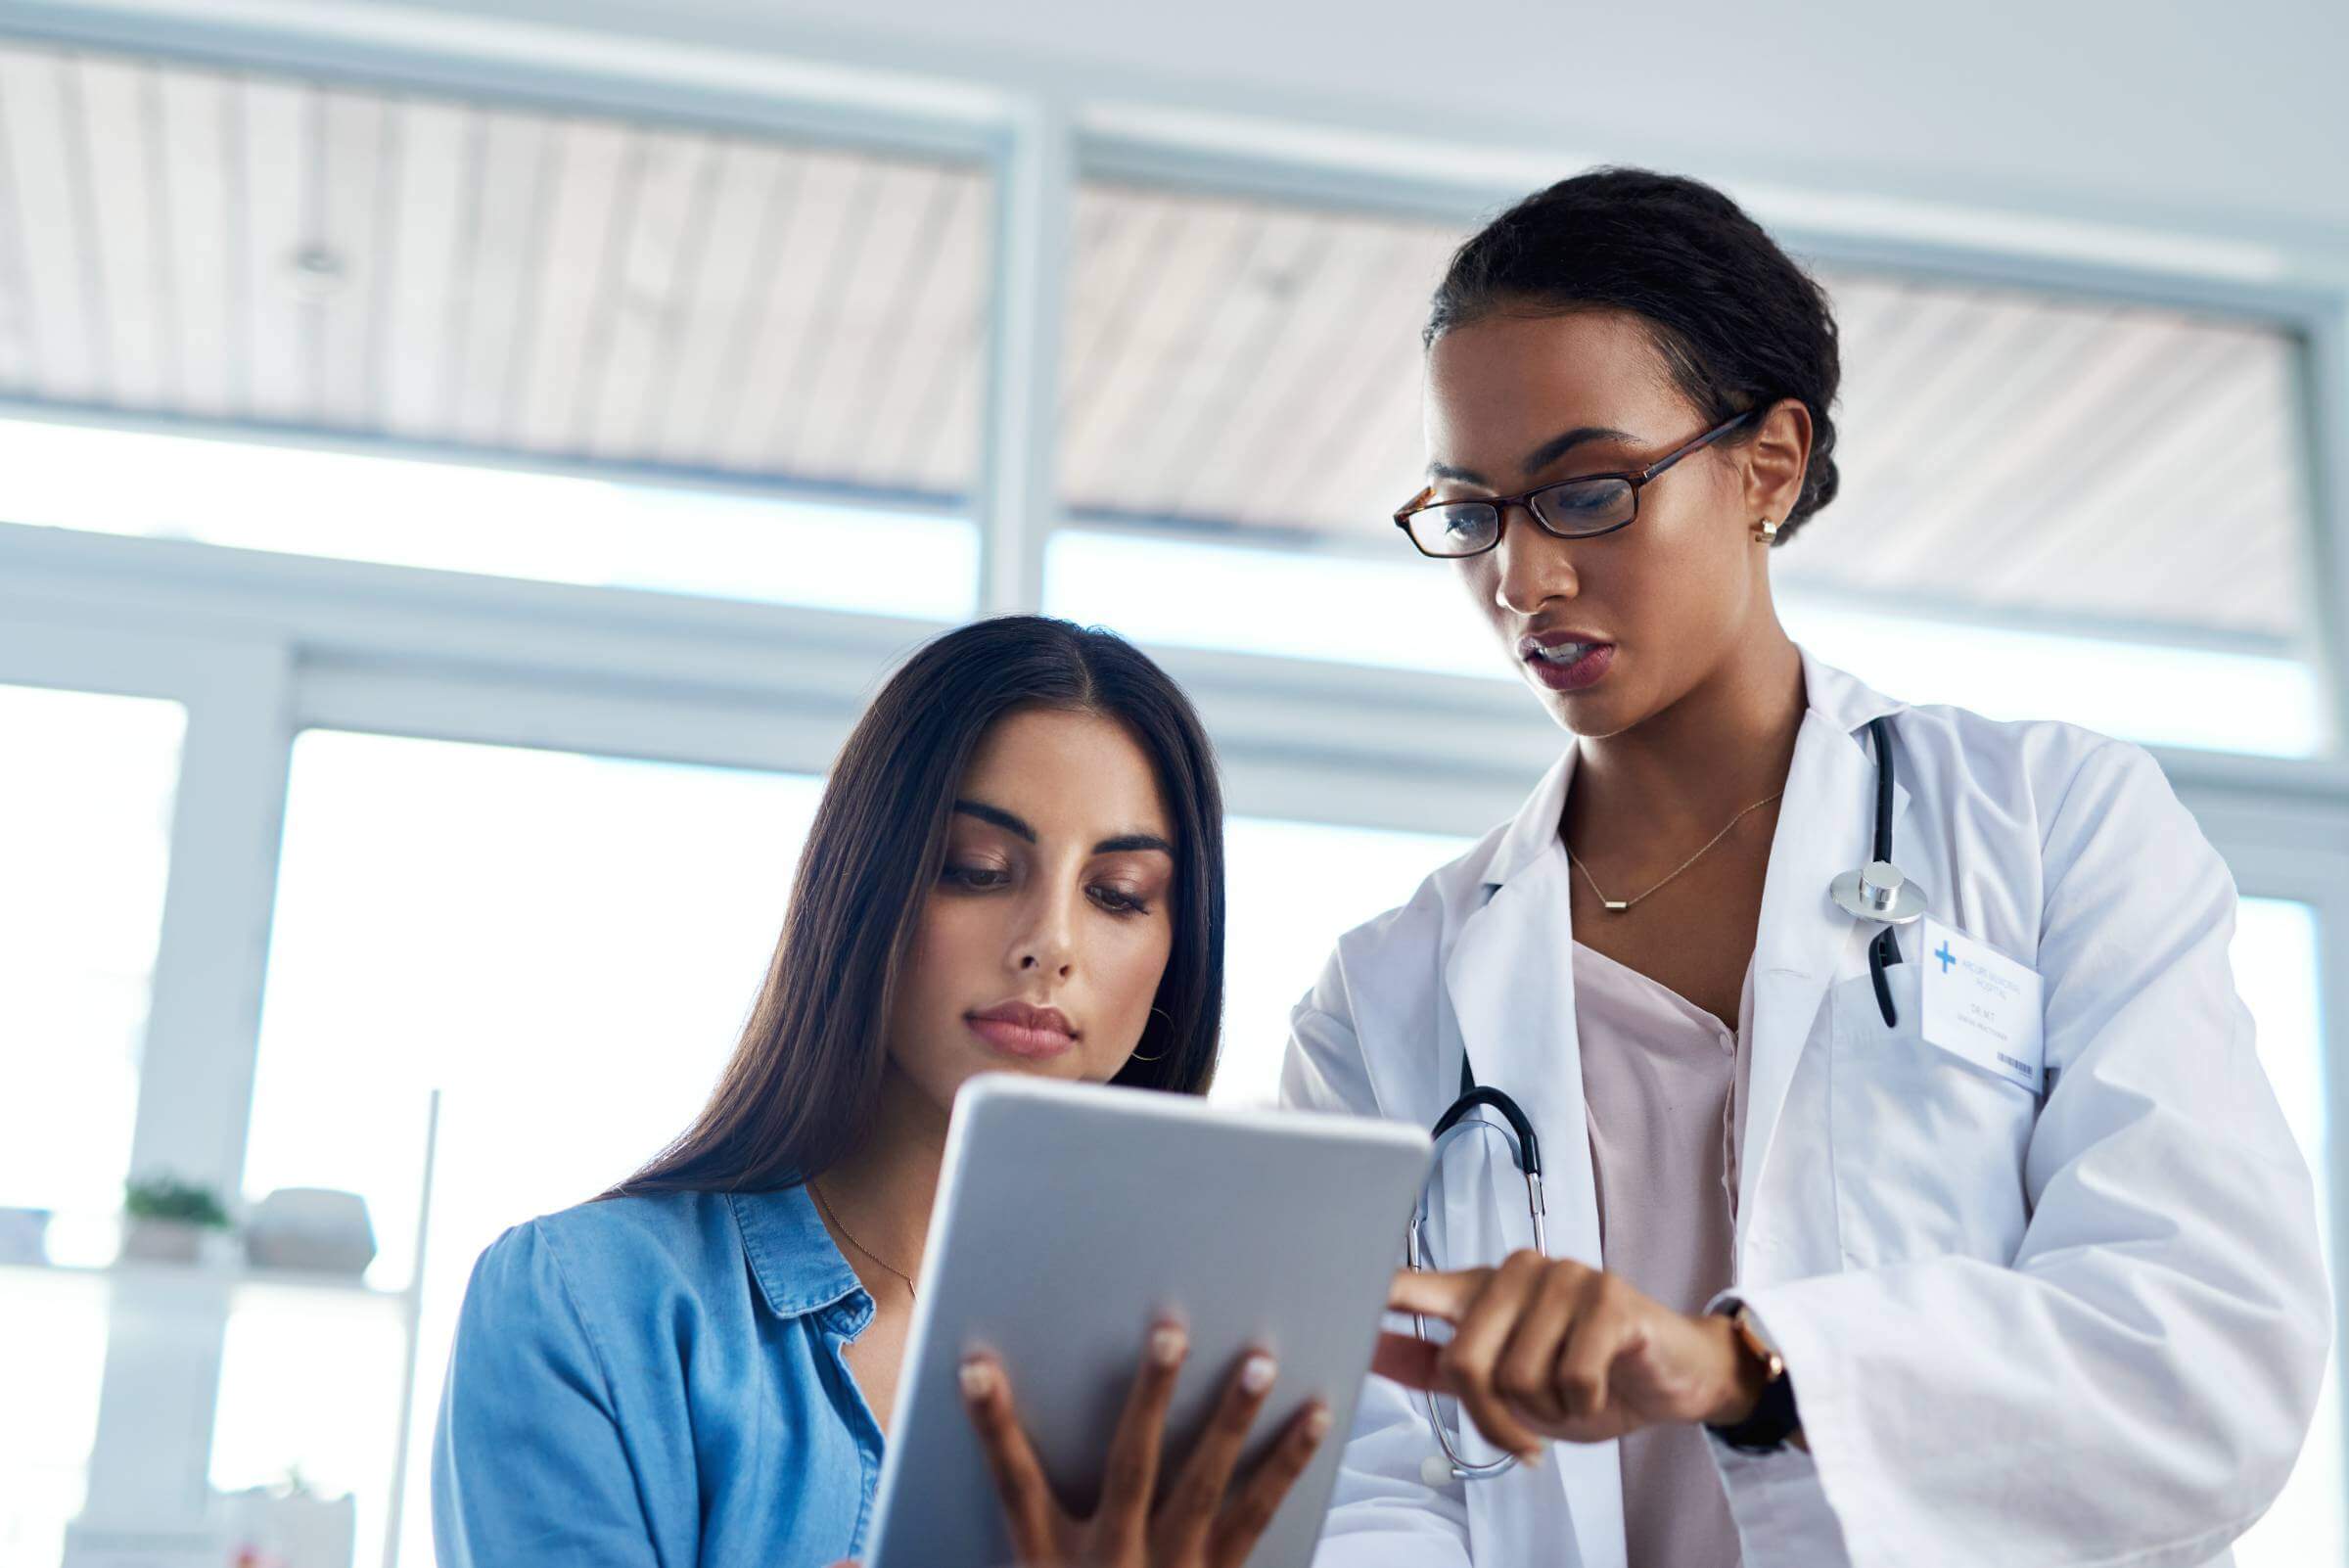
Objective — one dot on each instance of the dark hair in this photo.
(1739, 323)
(801, 1086)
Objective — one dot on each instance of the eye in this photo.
(1117, 900)
(974, 877)
(1583, 500)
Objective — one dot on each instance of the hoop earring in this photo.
(1170, 1017)
(1766, 530)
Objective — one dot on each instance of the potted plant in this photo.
(168, 1219)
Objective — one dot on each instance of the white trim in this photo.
(448, 655)
(449, 53)
(2324, 398)
(1034, 199)
(203, 1025)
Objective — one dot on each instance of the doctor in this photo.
(1983, 1243)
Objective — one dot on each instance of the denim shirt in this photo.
(658, 1381)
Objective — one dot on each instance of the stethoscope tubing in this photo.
(1883, 951)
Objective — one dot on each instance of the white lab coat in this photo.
(2080, 1329)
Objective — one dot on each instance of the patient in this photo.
(1018, 863)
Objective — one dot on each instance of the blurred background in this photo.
(462, 468)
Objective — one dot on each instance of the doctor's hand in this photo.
(1199, 1517)
(1548, 1348)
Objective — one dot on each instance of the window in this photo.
(1294, 888)
(753, 322)
(52, 1356)
(507, 521)
(2276, 969)
(85, 808)
(566, 948)
(2022, 475)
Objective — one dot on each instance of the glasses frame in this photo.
(1637, 479)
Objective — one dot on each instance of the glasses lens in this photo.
(1459, 528)
(1583, 506)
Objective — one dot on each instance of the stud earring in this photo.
(1766, 530)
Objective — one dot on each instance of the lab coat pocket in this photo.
(1927, 1149)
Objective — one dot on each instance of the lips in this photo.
(1566, 661)
(1536, 644)
(1023, 1030)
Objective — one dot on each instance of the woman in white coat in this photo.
(1818, 1288)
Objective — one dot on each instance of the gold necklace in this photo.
(1618, 905)
(818, 1194)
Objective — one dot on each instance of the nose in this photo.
(1530, 566)
(1047, 945)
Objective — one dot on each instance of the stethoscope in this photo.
(1876, 891)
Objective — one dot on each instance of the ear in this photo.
(1774, 461)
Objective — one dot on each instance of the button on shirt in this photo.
(1662, 1082)
(657, 1382)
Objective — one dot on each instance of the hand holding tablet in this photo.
(1202, 1516)
(1083, 1231)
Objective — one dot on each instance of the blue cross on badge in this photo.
(1946, 957)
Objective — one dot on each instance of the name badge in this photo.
(1983, 1007)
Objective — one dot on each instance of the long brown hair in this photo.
(802, 1085)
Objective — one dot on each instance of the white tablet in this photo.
(1067, 1218)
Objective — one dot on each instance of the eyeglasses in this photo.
(1580, 508)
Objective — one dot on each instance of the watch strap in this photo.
(1774, 1418)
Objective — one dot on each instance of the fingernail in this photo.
(1257, 1375)
(1166, 1346)
(1317, 1425)
(1530, 1456)
(978, 1379)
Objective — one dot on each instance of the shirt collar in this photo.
(1843, 700)
(791, 1254)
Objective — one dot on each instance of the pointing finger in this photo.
(1445, 1295)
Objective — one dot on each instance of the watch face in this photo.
(1773, 1367)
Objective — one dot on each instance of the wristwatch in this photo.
(1774, 1418)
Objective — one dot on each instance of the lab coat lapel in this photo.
(1510, 979)
(1511, 983)
(1825, 828)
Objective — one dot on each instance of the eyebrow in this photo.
(1541, 457)
(1123, 843)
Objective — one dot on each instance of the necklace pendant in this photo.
(1616, 905)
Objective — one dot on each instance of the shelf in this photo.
(168, 1278)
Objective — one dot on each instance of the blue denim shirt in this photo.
(658, 1381)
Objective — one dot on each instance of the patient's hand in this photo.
(1202, 1518)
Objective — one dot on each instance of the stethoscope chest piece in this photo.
(1878, 892)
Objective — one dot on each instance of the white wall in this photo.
(2181, 114)
(2184, 117)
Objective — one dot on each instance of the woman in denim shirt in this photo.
(1018, 863)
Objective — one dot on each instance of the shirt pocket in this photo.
(1927, 1149)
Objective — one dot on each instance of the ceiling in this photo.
(248, 247)
(270, 251)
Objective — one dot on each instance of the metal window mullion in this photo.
(2325, 404)
(1018, 504)
(157, 1403)
(2332, 1013)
